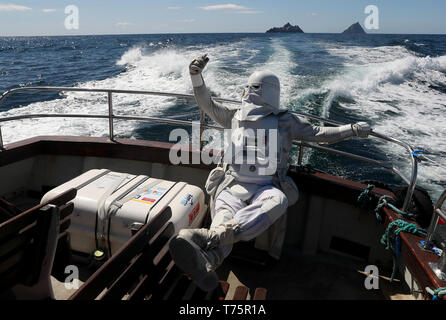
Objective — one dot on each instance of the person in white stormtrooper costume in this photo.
(246, 197)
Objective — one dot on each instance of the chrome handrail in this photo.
(439, 267)
(411, 182)
(438, 213)
(72, 89)
(385, 165)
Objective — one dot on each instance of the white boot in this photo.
(198, 252)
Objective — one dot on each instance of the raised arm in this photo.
(218, 112)
(301, 129)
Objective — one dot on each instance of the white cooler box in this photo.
(111, 206)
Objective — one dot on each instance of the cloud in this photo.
(312, 14)
(249, 12)
(187, 20)
(124, 24)
(231, 7)
(174, 8)
(228, 6)
(48, 10)
(13, 7)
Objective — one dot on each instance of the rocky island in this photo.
(288, 28)
(354, 29)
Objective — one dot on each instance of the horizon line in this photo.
(180, 33)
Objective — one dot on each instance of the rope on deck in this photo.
(402, 226)
(365, 199)
(389, 202)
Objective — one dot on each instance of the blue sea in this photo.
(397, 83)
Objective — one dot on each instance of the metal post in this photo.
(412, 185)
(1, 139)
(434, 221)
(414, 162)
(110, 116)
(301, 154)
(439, 268)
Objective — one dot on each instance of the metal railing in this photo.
(438, 213)
(439, 267)
(302, 145)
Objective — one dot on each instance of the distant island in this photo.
(354, 29)
(286, 28)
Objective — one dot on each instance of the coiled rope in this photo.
(365, 199)
(387, 201)
(401, 226)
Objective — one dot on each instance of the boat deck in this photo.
(297, 276)
(312, 265)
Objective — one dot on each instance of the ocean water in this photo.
(397, 83)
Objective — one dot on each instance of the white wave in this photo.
(131, 56)
(357, 55)
(361, 81)
(281, 63)
(165, 70)
(395, 91)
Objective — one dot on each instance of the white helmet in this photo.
(264, 85)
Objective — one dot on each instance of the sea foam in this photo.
(401, 95)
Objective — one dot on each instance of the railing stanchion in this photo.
(301, 154)
(434, 222)
(412, 185)
(110, 116)
(1, 139)
(439, 267)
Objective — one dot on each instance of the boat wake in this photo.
(152, 69)
(400, 92)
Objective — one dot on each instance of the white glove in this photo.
(362, 129)
(198, 64)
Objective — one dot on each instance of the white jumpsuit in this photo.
(254, 215)
(259, 206)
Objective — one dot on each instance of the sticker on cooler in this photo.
(188, 200)
(150, 196)
(194, 213)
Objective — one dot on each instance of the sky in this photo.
(49, 17)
